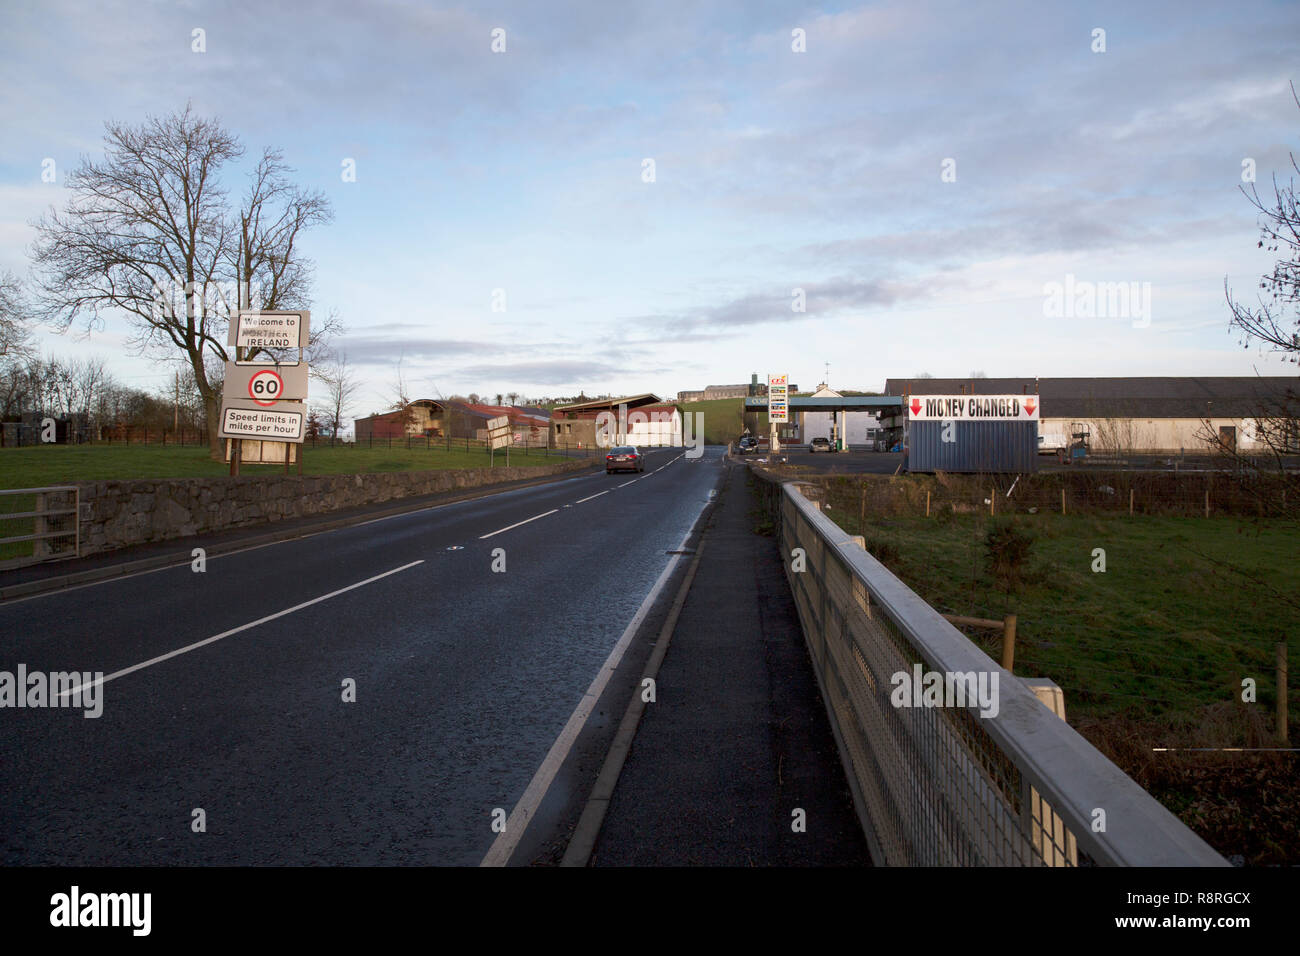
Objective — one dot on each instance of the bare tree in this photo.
(340, 389)
(14, 342)
(263, 257)
(400, 395)
(514, 397)
(1270, 324)
(149, 231)
(1275, 323)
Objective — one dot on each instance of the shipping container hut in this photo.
(972, 434)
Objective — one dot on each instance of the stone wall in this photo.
(118, 514)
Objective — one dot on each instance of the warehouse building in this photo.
(529, 426)
(1156, 415)
(641, 420)
(846, 429)
(712, 392)
(423, 417)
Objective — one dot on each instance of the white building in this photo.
(858, 429)
(1156, 415)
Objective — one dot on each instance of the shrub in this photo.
(1007, 548)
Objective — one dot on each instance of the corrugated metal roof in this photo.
(517, 416)
(1138, 397)
(645, 398)
(865, 403)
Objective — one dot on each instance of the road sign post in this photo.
(278, 388)
(498, 436)
(778, 408)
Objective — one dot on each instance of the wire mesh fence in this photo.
(949, 785)
(1253, 494)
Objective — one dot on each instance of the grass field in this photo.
(1150, 653)
(39, 465)
(43, 465)
(723, 418)
(1185, 608)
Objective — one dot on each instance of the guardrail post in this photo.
(1008, 641)
(40, 525)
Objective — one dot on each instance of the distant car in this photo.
(747, 446)
(819, 444)
(624, 458)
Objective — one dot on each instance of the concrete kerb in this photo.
(157, 562)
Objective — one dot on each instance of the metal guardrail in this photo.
(943, 785)
(46, 525)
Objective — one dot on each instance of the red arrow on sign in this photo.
(916, 406)
(1029, 407)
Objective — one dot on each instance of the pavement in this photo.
(737, 740)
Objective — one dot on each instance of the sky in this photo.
(923, 172)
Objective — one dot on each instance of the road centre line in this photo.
(234, 630)
(504, 845)
(589, 497)
(483, 537)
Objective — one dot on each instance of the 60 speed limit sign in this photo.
(266, 387)
(264, 383)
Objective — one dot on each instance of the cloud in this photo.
(554, 371)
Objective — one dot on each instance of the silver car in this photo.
(624, 458)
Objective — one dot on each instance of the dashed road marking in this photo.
(517, 524)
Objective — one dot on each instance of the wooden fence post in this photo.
(1130, 502)
(1008, 641)
(1282, 731)
(927, 503)
(1062, 499)
(993, 496)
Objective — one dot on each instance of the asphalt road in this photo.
(464, 678)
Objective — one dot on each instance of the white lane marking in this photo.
(518, 523)
(504, 845)
(589, 497)
(235, 630)
(625, 484)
